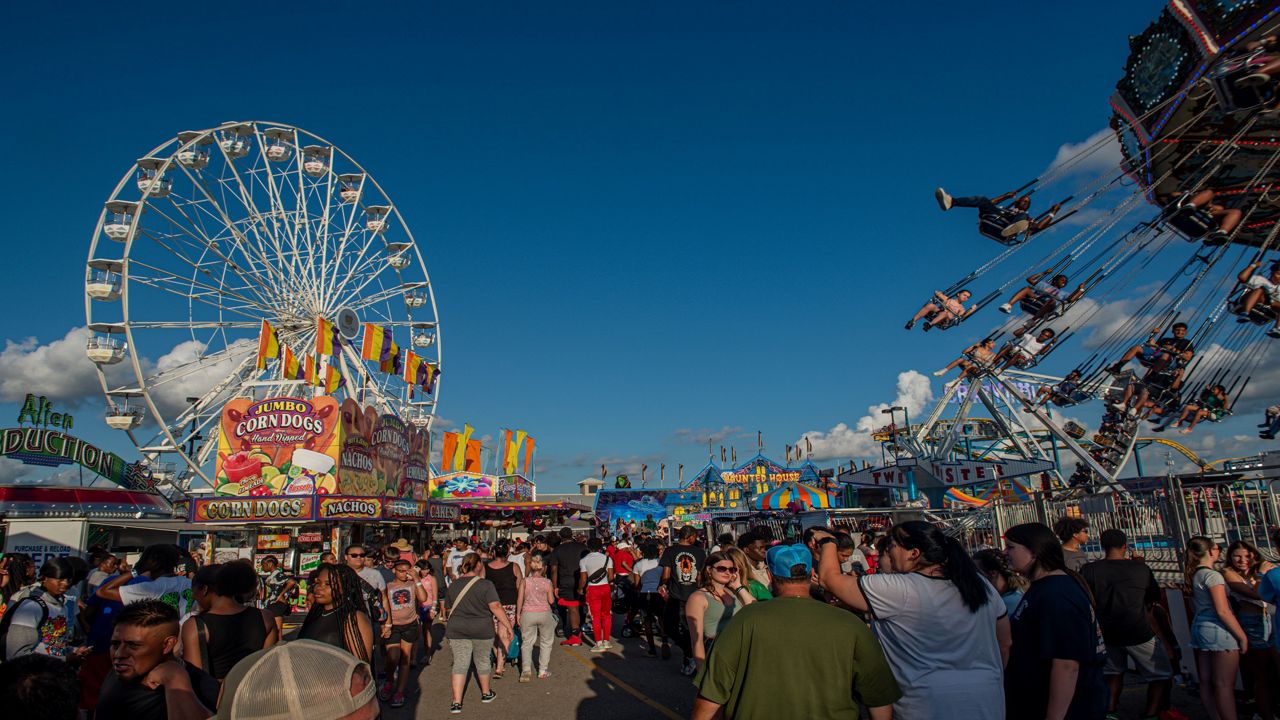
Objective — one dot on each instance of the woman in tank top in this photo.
(710, 607)
(339, 616)
(225, 631)
(509, 582)
(1259, 663)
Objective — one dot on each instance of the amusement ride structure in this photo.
(1194, 202)
(221, 259)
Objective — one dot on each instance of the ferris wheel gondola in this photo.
(219, 230)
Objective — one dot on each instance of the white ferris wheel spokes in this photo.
(218, 230)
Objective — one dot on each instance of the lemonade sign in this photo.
(278, 446)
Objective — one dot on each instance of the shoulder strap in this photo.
(458, 600)
(201, 631)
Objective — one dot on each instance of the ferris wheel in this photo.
(218, 230)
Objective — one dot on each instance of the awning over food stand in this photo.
(532, 506)
(31, 501)
(806, 497)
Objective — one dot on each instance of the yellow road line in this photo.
(663, 710)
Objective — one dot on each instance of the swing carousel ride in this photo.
(1158, 278)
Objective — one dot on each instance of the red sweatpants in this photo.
(600, 604)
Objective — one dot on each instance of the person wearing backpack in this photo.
(595, 582)
(44, 622)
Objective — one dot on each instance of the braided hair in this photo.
(349, 602)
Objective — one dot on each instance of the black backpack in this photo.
(373, 598)
(7, 620)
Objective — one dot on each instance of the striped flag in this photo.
(327, 341)
(376, 344)
(391, 363)
(309, 370)
(427, 375)
(412, 365)
(290, 369)
(268, 344)
(333, 380)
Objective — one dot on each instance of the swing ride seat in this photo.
(1003, 230)
(1261, 314)
(1233, 98)
(1189, 222)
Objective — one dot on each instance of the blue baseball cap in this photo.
(782, 558)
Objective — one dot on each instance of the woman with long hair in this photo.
(994, 566)
(339, 616)
(943, 627)
(758, 590)
(225, 631)
(1055, 664)
(719, 595)
(475, 618)
(509, 582)
(1253, 613)
(537, 624)
(17, 572)
(1216, 635)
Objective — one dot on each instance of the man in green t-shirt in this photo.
(795, 656)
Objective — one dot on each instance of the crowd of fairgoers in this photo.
(834, 624)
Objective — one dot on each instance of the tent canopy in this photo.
(806, 497)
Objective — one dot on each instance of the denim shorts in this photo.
(1211, 635)
(1257, 627)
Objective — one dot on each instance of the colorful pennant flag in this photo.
(290, 369)
(327, 340)
(528, 456)
(514, 450)
(268, 344)
(377, 343)
(331, 379)
(447, 450)
(412, 367)
(310, 374)
(427, 375)
(460, 454)
(471, 461)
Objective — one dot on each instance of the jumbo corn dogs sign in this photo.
(295, 446)
(278, 446)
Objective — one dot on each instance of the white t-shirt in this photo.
(1044, 287)
(1262, 281)
(174, 590)
(857, 558)
(373, 577)
(945, 658)
(518, 559)
(454, 559)
(1029, 345)
(591, 562)
(650, 573)
(96, 578)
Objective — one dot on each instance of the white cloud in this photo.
(1104, 156)
(842, 441)
(13, 470)
(59, 370)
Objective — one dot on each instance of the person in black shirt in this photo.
(1158, 354)
(147, 682)
(681, 568)
(563, 562)
(1124, 591)
(1055, 664)
(39, 686)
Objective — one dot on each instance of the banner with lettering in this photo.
(278, 446)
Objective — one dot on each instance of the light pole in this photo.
(906, 420)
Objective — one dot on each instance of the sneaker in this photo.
(572, 641)
(910, 324)
(944, 200)
(544, 674)
(666, 651)
(928, 326)
(1015, 228)
(689, 667)
(455, 708)
(1274, 332)
(940, 373)
(1217, 237)
(526, 677)
(1266, 436)
(1006, 309)
(385, 693)
(1253, 80)
(599, 647)
(488, 697)
(397, 700)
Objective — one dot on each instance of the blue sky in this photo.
(644, 222)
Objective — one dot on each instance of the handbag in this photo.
(513, 649)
